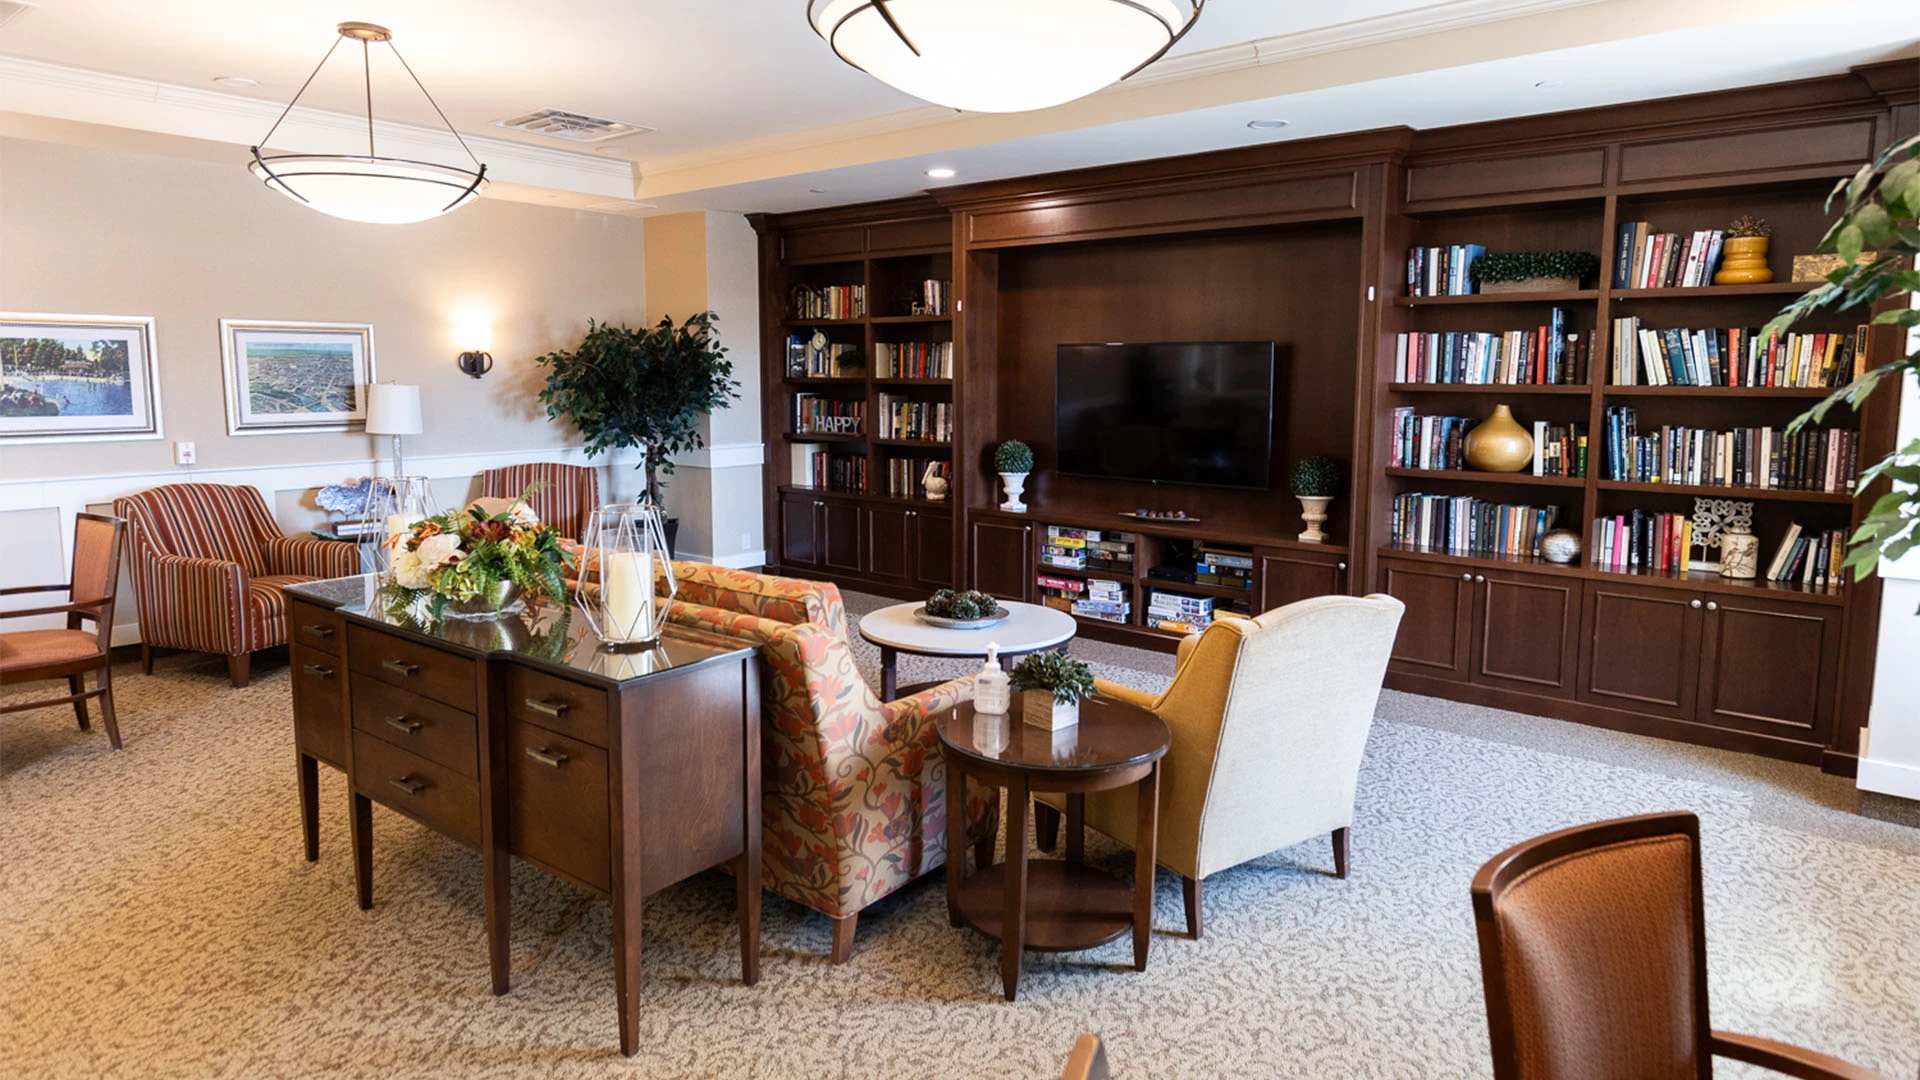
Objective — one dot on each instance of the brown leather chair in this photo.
(1593, 951)
(30, 655)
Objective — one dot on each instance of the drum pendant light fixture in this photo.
(1001, 55)
(368, 187)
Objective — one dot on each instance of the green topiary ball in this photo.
(1013, 456)
(1317, 476)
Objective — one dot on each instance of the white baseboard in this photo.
(745, 560)
(1889, 778)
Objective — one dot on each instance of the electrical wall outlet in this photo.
(183, 453)
(745, 539)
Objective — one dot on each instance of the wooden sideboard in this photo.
(523, 736)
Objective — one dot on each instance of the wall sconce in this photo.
(475, 339)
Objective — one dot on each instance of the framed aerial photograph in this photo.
(286, 378)
(77, 378)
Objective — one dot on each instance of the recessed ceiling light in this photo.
(1546, 84)
(235, 80)
(1266, 125)
(940, 172)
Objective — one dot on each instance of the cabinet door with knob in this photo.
(932, 536)
(1436, 630)
(840, 535)
(1642, 648)
(799, 529)
(1287, 576)
(889, 542)
(1002, 559)
(1525, 631)
(1768, 666)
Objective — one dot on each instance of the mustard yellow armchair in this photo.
(1269, 718)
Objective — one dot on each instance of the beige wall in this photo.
(101, 231)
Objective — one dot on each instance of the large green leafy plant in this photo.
(644, 388)
(1880, 203)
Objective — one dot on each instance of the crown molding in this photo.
(36, 88)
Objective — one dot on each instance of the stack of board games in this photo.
(1177, 612)
(1105, 600)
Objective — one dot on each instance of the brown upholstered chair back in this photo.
(201, 521)
(97, 540)
(1593, 952)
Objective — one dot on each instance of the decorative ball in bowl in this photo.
(968, 610)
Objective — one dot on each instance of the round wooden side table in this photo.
(1049, 904)
(895, 629)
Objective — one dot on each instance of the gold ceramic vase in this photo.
(1744, 261)
(1499, 443)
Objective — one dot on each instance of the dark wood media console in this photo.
(1304, 243)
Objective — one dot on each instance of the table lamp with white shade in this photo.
(393, 410)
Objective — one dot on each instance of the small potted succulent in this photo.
(1316, 480)
(1745, 258)
(1051, 685)
(1013, 460)
(1532, 271)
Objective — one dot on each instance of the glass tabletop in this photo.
(544, 632)
(1110, 733)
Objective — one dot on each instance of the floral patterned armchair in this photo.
(854, 790)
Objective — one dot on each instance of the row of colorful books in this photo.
(904, 418)
(817, 415)
(1642, 540)
(820, 468)
(1644, 259)
(835, 360)
(1462, 523)
(829, 301)
(1735, 356)
(1442, 271)
(1810, 559)
(936, 296)
(1439, 442)
(1757, 457)
(1548, 355)
(914, 359)
(1227, 565)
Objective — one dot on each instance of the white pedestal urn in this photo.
(1016, 487)
(1313, 511)
(1042, 710)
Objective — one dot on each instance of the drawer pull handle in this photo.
(403, 725)
(319, 631)
(546, 757)
(321, 670)
(547, 708)
(400, 666)
(409, 785)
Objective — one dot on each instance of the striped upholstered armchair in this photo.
(208, 567)
(568, 493)
(854, 803)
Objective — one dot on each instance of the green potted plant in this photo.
(1315, 481)
(1532, 271)
(1013, 460)
(646, 388)
(1051, 685)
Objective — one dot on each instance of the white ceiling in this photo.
(752, 110)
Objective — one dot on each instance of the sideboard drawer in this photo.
(316, 627)
(417, 724)
(422, 669)
(431, 793)
(569, 708)
(557, 800)
(319, 726)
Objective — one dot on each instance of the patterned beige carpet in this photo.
(156, 919)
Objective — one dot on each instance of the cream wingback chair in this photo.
(1269, 719)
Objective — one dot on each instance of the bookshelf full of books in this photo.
(1439, 442)
(1732, 356)
(817, 414)
(914, 360)
(1769, 458)
(1645, 258)
(1551, 354)
(830, 301)
(903, 417)
(821, 468)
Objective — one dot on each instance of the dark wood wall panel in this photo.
(844, 242)
(1165, 211)
(1842, 144)
(1299, 287)
(910, 235)
(1530, 174)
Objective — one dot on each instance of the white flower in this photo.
(523, 515)
(438, 550)
(409, 570)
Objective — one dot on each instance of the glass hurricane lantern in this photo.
(626, 547)
(398, 502)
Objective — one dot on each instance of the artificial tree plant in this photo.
(644, 388)
(1880, 205)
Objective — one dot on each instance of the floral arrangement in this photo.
(464, 555)
(1067, 679)
(347, 498)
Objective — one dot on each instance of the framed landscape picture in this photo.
(287, 377)
(77, 378)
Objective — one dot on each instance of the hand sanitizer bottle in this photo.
(992, 689)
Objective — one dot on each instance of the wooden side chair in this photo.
(1593, 952)
(31, 655)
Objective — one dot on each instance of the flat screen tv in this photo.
(1168, 412)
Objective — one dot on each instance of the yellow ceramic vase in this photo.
(1499, 443)
(1743, 262)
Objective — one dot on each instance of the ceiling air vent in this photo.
(13, 9)
(570, 126)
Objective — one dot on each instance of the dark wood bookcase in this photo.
(1304, 243)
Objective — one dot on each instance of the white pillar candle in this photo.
(626, 586)
(399, 523)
